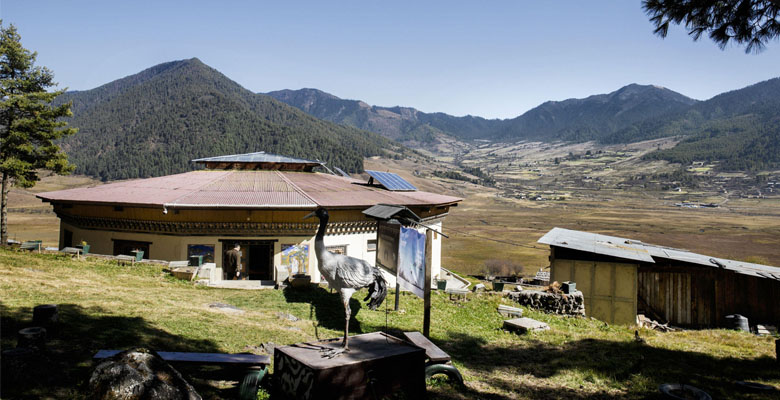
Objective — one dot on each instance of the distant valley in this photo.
(153, 122)
(737, 130)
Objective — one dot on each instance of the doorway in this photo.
(256, 257)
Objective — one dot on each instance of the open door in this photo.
(256, 258)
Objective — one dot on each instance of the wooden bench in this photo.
(256, 365)
(72, 251)
(457, 294)
(439, 362)
(124, 259)
(31, 245)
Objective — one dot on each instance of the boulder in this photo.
(138, 374)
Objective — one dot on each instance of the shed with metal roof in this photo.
(621, 277)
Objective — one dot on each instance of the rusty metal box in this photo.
(377, 365)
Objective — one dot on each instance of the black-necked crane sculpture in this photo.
(346, 274)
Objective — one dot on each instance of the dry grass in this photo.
(104, 305)
(29, 218)
(739, 231)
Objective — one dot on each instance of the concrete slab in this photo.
(524, 325)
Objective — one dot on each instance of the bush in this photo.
(496, 267)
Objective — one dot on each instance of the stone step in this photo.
(523, 325)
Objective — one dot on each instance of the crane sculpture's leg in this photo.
(347, 313)
(346, 295)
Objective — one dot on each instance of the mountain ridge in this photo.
(156, 121)
(408, 124)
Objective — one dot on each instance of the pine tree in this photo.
(752, 23)
(29, 124)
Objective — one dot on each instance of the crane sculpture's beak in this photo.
(312, 214)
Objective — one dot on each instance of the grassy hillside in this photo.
(154, 122)
(104, 305)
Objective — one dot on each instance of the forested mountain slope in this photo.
(597, 116)
(154, 122)
(739, 130)
(761, 100)
(404, 124)
(591, 118)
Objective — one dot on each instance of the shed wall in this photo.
(609, 288)
(688, 295)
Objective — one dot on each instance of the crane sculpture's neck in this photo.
(319, 239)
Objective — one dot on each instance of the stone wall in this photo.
(551, 303)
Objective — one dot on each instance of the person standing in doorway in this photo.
(233, 263)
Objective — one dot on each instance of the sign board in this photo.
(411, 260)
(387, 245)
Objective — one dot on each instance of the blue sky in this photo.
(492, 59)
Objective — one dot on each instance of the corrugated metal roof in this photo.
(246, 188)
(151, 191)
(258, 157)
(251, 189)
(636, 250)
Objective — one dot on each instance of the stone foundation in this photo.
(551, 303)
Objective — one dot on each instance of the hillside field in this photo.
(491, 223)
(106, 306)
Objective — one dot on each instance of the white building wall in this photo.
(174, 247)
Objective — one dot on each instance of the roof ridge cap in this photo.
(296, 188)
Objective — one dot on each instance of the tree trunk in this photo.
(4, 211)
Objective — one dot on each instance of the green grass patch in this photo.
(107, 306)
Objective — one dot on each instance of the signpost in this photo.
(402, 250)
(427, 287)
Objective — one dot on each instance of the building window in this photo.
(371, 245)
(205, 250)
(342, 249)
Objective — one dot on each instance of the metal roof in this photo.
(638, 251)
(390, 181)
(258, 157)
(245, 189)
(387, 211)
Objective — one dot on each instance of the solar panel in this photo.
(391, 181)
(344, 174)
